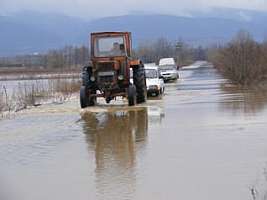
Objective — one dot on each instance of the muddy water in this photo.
(203, 140)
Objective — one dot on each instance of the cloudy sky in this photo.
(100, 8)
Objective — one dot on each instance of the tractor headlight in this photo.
(92, 78)
(120, 77)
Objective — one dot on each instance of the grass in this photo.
(66, 87)
(28, 74)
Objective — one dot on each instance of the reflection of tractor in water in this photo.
(109, 71)
(115, 140)
(113, 135)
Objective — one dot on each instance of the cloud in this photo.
(101, 8)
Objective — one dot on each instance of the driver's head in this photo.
(116, 46)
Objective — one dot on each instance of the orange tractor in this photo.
(108, 74)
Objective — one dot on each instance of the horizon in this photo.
(208, 13)
(91, 10)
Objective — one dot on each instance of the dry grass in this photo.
(2, 102)
(37, 71)
(28, 95)
(37, 93)
(65, 86)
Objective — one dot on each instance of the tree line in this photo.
(69, 57)
(243, 60)
(183, 53)
(73, 57)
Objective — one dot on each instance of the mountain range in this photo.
(30, 32)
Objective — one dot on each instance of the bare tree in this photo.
(152, 51)
(242, 60)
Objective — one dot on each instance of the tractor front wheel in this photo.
(85, 98)
(139, 79)
(131, 95)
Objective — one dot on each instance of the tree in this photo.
(242, 60)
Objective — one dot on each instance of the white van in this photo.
(168, 69)
(154, 82)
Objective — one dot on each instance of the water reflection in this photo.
(155, 114)
(116, 138)
(249, 101)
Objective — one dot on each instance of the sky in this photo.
(101, 8)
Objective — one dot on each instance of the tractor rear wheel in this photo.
(139, 79)
(92, 99)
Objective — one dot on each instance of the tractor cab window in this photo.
(109, 46)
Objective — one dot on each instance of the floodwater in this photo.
(203, 140)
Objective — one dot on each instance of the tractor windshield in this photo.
(109, 46)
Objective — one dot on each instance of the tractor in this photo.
(109, 71)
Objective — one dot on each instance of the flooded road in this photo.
(203, 140)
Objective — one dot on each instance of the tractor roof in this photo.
(110, 33)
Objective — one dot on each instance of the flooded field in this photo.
(202, 140)
(14, 86)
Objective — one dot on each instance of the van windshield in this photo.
(151, 73)
(109, 46)
(167, 67)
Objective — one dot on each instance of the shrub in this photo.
(242, 60)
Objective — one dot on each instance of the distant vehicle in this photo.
(154, 81)
(168, 69)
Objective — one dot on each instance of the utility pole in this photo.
(178, 49)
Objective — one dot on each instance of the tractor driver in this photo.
(116, 50)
